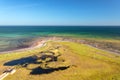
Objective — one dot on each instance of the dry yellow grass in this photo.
(87, 63)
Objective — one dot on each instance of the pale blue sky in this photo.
(59, 12)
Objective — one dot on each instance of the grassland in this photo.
(86, 63)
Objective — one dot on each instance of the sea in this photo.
(15, 37)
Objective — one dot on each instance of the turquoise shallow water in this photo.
(13, 37)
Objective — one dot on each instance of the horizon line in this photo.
(59, 25)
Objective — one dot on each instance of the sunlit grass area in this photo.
(86, 63)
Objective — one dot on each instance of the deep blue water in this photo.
(11, 37)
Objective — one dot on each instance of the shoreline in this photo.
(37, 44)
(41, 41)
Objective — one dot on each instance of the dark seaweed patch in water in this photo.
(14, 44)
(40, 70)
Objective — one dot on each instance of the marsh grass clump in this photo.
(48, 57)
(48, 61)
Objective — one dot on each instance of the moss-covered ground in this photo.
(86, 63)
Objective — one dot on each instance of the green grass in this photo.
(92, 52)
(88, 63)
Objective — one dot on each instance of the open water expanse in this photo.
(14, 37)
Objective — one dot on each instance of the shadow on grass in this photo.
(39, 70)
(21, 61)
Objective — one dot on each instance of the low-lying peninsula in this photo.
(69, 58)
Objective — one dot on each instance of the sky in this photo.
(59, 12)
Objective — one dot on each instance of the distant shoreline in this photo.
(41, 41)
(100, 44)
